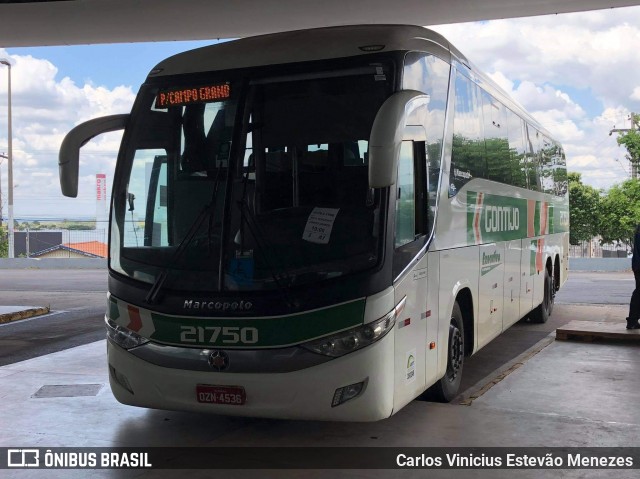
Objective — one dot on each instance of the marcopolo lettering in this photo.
(501, 218)
(218, 305)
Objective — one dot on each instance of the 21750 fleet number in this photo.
(222, 334)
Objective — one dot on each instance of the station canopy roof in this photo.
(75, 22)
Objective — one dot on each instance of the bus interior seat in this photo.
(352, 180)
(352, 154)
(273, 180)
(316, 183)
(194, 139)
(202, 150)
(190, 196)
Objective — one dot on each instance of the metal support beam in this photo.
(9, 157)
(634, 162)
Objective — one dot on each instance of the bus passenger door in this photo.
(511, 309)
(527, 276)
(410, 270)
(491, 287)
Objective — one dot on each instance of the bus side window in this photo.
(405, 196)
(157, 204)
(468, 150)
(496, 140)
(411, 202)
(147, 206)
(533, 157)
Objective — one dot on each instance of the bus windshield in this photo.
(288, 204)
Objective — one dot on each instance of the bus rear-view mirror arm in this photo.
(69, 157)
(400, 110)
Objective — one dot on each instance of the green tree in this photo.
(584, 210)
(4, 244)
(621, 212)
(81, 226)
(631, 141)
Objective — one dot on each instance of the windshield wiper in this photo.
(208, 211)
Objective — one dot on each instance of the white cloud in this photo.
(576, 73)
(560, 68)
(45, 108)
(595, 50)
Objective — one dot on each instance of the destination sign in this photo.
(188, 96)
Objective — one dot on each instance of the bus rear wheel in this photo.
(447, 387)
(542, 313)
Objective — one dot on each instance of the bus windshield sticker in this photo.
(190, 95)
(319, 225)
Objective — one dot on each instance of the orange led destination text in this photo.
(187, 96)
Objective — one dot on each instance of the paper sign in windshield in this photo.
(319, 225)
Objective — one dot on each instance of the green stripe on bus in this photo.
(560, 215)
(113, 312)
(472, 198)
(275, 331)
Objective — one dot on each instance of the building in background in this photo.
(28, 242)
(86, 249)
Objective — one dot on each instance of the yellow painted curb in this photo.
(23, 314)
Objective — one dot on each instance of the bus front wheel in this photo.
(447, 388)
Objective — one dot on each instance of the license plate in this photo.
(232, 395)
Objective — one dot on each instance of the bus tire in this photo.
(542, 313)
(447, 387)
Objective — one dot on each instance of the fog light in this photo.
(122, 336)
(345, 393)
(120, 378)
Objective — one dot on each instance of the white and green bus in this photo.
(322, 224)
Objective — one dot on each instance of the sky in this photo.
(578, 74)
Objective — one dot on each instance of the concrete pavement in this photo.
(561, 393)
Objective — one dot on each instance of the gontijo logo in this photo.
(503, 218)
(494, 218)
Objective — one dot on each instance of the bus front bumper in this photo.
(304, 394)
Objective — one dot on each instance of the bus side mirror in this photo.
(69, 157)
(402, 109)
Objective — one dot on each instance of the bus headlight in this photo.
(123, 337)
(346, 342)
